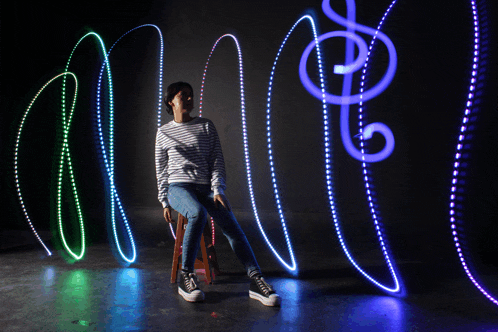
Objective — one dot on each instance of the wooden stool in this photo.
(199, 264)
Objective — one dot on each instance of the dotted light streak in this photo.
(110, 165)
(16, 151)
(66, 157)
(366, 133)
(458, 154)
(201, 97)
(109, 159)
(246, 147)
(269, 136)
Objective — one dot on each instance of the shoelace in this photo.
(263, 285)
(190, 282)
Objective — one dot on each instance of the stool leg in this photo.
(178, 244)
(205, 261)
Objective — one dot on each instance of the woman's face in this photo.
(183, 101)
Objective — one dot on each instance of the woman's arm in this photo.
(162, 169)
(217, 163)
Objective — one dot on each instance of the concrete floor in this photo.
(41, 293)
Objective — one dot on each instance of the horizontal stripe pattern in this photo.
(189, 152)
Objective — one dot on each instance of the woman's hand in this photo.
(167, 215)
(223, 200)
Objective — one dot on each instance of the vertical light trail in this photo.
(241, 76)
(109, 156)
(366, 133)
(293, 265)
(242, 103)
(244, 127)
(462, 137)
(66, 158)
(16, 155)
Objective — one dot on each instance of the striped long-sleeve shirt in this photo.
(189, 152)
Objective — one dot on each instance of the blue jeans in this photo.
(194, 202)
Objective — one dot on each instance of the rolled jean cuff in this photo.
(253, 272)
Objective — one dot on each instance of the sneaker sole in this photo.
(196, 296)
(272, 301)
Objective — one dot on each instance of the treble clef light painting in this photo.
(347, 70)
(352, 65)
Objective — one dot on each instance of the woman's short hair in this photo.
(172, 90)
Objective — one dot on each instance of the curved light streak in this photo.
(66, 156)
(269, 137)
(366, 133)
(109, 157)
(200, 115)
(241, 75)
(16, 152)
(456, 164)
(345, 101)
(245, 141)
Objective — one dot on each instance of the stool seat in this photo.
(199, 263)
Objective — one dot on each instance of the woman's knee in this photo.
(194, 213)
(233, 231)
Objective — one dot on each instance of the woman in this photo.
(190, 174)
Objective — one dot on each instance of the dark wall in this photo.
(423, 105)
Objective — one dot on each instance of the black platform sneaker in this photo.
(263, 292)
(188, 289)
